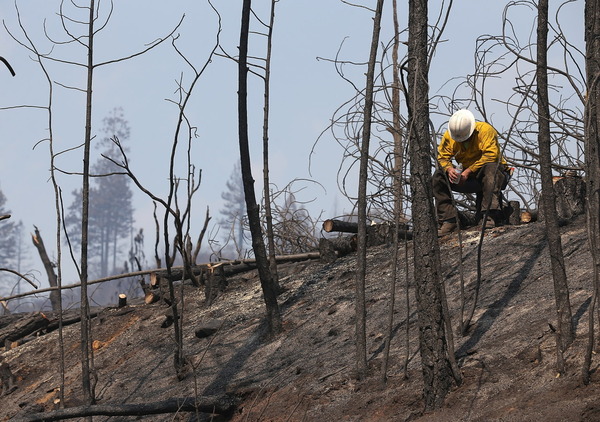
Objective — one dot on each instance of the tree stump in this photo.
(513, 213)
(216, 282)
(570, 197)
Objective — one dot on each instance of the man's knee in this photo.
(492, 176)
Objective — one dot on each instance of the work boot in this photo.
(494, 219)
(448, 227)
(489, 223)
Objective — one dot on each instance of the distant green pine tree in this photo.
(10, 248)
(111, 209)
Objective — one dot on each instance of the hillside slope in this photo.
(306, 374)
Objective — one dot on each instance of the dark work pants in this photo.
(486, 182)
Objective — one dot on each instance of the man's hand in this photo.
(453, 175)
(456, 178)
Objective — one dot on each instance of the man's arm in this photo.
(488, 143)
(445, 153)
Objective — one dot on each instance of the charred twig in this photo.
(10, 69)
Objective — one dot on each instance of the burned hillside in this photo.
(507, 358)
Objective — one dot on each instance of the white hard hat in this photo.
(461, 125)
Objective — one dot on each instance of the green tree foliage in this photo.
(111, 210)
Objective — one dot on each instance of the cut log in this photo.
(333, 225)
(151, 297)
(378, 233)
(154, 280)
(67, 319)
(332, 249)
(23, 327)
(122, 300)
(327, 251)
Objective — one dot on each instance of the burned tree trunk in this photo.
(565, 333)
(216, 282)
(434, 340)
(267, 282)
(592, 159)
(49, 267)
(570, 196)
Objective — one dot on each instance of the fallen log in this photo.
(333, 225)
(332, 249)
(379, 233)
(66, 319)
(231, 268)
(219, 405)
(23, 327)
(178, 271)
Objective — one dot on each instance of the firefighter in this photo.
(474, 146)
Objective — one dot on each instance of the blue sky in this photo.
(305, 94)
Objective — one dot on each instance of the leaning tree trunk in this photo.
(564, 334)
(435, 363)
(592, 158)
(258, 245)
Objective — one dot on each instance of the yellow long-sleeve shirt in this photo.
(481, 148)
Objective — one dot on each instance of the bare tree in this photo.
(564, 335)
(82, 32)
(361, 255)
(397, 133)
(592, 160)
(266, 277)
(86, 330)
(266, 182)
(176, 215)
(433, 340)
